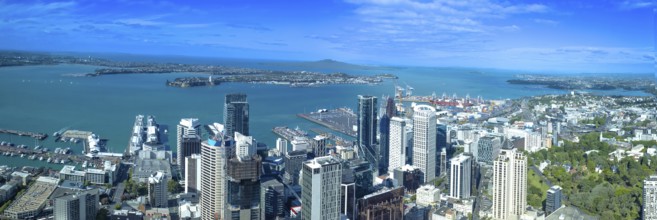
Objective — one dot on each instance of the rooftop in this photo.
(35, 197)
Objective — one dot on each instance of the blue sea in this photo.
(46, 98)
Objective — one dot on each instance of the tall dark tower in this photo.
(384, 135)
(236, 114)
(367, 127)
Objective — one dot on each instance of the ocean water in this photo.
(46, 99)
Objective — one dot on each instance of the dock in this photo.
(38, 136)
(288, 133)
(341, 120)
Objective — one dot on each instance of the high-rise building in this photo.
(488, 148)
(509, 184)
(319, 145)
(460, 178)
(384, 204)
(272, 199)
(236, 114)
(441, 143)
(320, 188)
(649, 208)
(158, 196)
(553, 200)
(188, 140)
(397, 143)
(384, 144)
(281, 146)
(348, 194)
(409, 177)
(214, 159)
(367, 127)
(363, 176)
(293, 163)
(79, 206)
(244, 169)
(424, 140)
(443, 162)
(193, 173)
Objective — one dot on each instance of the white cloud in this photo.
(546, 21)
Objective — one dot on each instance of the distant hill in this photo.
(323, 64)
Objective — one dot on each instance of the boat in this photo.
(84, 164)
(11, 154)
(41, 158)
(49, 160)
(37, 147)
(22, 155)
(62, 161)
(3, 143)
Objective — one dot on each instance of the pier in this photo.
(341, 120)
(38, 136)
(56, 158)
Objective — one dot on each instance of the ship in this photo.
(49, 160)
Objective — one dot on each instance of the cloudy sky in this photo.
(562, 35)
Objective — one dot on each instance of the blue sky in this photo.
(562, 36)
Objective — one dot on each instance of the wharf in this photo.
(38, 136)
(55, 157)
(341, 120)
(74, 134)
(288, 133)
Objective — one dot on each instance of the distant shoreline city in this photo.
(413, 157)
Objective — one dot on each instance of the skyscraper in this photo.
(79, 206)
(509, 184)
(367, 127)
(397, 144)
(193, 173)
(214, 157)
(488, 148)
(157, 190)
(443, 162)
(649, 208)
(348, 194)
(272, 199)
(188, 140)
(244, 169)
(320, 188)
(293, 163)
(460, 178)
(553, 200)
(319, 145)
(441, 143)
(236, 114)
(424, 140)
(384, 143)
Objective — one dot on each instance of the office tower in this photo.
(188, 140)
(272, 199)
(281, 146)
(460, 179)
(649, 208)
(363, 176)
(488, 147)
(320, 188)
(236, 114)
(384, 143)
(214, 157)
(319, 145)
(157, 190)
(193, 173)
(441, 143)
(509, 184)
(367, 127)
(424, 140)
(244, 169)
(384, 204)
(348, 194)
(79, 206)
(390, 108)
(397, 143)
(293, 164)
(443, 162)
(553, 201)
(409, 177)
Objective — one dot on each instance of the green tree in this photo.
(173, 186)
(103, 214)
